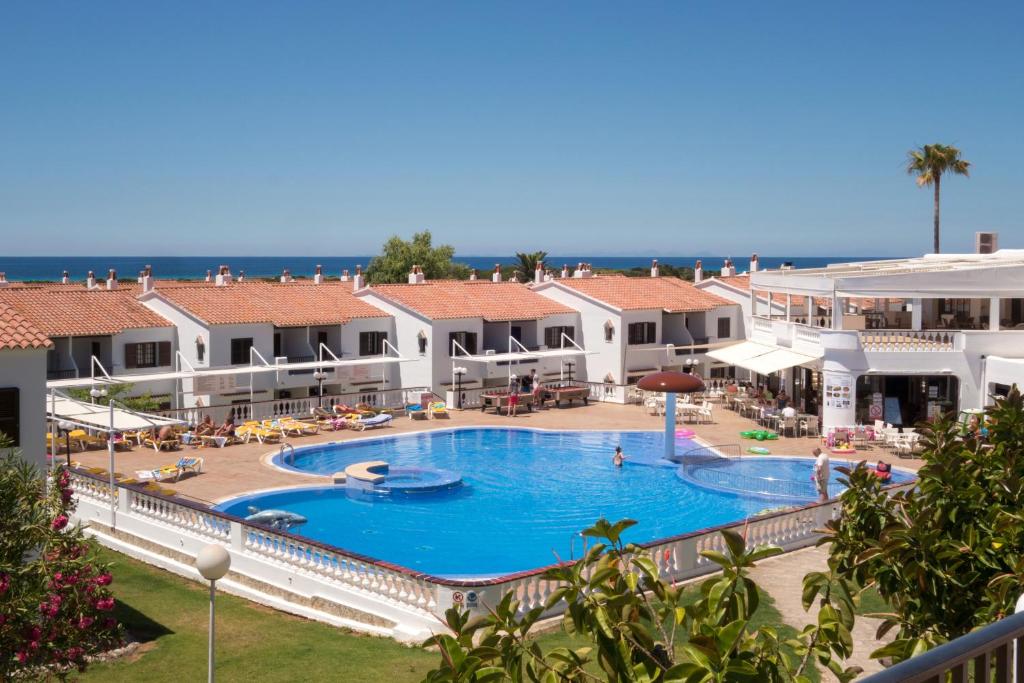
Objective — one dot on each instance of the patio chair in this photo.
(788, 425)
(705, 414)
(808, 427)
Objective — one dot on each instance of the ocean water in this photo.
(192, 267)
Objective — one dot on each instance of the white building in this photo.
(899, 340)
(632, 326)
(23, 350)
(475, 324)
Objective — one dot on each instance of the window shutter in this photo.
(131, 356)
(163, 353)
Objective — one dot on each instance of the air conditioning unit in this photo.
(986, 242)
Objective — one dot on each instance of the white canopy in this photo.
(498, 357)
(732, 355)
(98, 417)
(763, 359)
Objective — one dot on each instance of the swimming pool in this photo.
(526, 495)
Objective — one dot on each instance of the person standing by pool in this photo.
(822, 472)
(513, 402)
(619, 457)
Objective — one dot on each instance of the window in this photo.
(516, 331)
(147, 355)
(277, 345)
(240, 350)
(421, 342)
(609, 332)
(96, 349)
(466, 340)
(321, 338)
(553, 335)
(724, 328)
(200, 349)
(372, 343)
(643, 333)
(10, 414)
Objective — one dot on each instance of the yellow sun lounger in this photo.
(174, 471)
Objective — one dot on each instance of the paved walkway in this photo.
(782, 577)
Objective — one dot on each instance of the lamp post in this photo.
(569, 364)
(96, 393)
(459, 372)
(66, 427)
(320, 376)
(213, 562)
(691, 363)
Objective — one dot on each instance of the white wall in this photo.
(406, 327)
(604, 358)
(26, 370)
(141, 336)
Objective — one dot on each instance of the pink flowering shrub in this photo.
(56, 608)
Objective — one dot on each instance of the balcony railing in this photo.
(62, 374)
(910, 340)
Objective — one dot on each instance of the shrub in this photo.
(56, 608)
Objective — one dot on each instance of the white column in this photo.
(670, 424)
(769, 304)
(915, 314)
(993, 313)
(789, 305)
(837, 312)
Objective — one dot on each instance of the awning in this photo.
(764, 359)
(735, 354)
(97, 416)
(776, 360)
(498, 357)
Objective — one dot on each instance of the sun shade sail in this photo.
(97, 416)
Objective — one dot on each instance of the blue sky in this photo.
(577, 127)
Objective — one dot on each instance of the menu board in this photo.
(838, 391)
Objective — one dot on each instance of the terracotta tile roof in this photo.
(18, 333)
(492, 301)
(77, 313)
(639, 293)
(737, 281)
(292, 304)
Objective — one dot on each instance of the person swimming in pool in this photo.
(619, 457)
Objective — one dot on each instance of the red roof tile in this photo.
(492, 301)
(18, 333)
(291, 304)
(639, 293)
(80, 312)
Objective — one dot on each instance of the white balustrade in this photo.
(911, 340)
(190, 518)
(90, 487)
(808, 335)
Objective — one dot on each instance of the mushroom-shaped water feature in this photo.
(671, 383)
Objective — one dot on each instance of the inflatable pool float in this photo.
(759, 450)
(843, 451)
(685, 433)
(759, 434)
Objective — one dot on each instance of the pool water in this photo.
(525, 497)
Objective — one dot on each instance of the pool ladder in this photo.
(290, 448)
(572, 545)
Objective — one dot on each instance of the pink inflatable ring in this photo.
(685, 433)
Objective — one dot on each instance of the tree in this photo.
(641, 628)
(929, 163)
(55, 601)
(399, 256)
(948, 555)
(527, 264)
(119, 394)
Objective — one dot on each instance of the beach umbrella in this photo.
(671, 383)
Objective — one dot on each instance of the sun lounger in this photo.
(439, 409)
(253, 429)
(416, 412)
(299, 426)
(160, 444)
(86, 440)
(374, 422)
(174, 471)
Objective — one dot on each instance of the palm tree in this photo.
(528, 262)
(929, 163)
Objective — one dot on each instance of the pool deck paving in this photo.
(238, 469)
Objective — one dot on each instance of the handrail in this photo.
(993, 642)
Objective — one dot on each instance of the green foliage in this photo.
(642, 631)
(948, 556)
(527, 262)
(668, 270)
(930, 162)
(398, 256)
(119, 393)
(55, 604)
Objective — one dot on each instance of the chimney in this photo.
(472, 274)
(112, 279)
(728, 270)
(223, 276)
(90, 280)
(344, 275)
(65, 278)
(209, 276)
(413, 278)
(698, 272)
(318, 276)
(358, 282)
(654, 268)
(286, 275)
(3, 281)
(496, 277)
(753, 263)
(584, 270)
(146, 280)
(538, 273)
(420, 275)
(139, 278)
(565, 270)
(579, 270)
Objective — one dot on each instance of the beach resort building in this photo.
(23, 353)
(900, 340)
(487, 330)
(632, 326)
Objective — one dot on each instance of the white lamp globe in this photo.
(213, 562)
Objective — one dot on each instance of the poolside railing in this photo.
(169, 530)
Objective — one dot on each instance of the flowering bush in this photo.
(55, 601)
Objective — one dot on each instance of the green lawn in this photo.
(169, 615)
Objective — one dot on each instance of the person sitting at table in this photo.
(732, 388)
(788, 412)
(781, 399)
(766, 394)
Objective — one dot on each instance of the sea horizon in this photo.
(51, 268)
